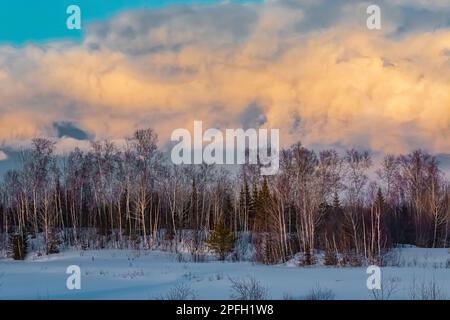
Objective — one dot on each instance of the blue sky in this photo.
(23, 21)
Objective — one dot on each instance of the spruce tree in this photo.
(247, 196)
(245, 204)
(262, 204)
(336, 201)
(17, 246)
(253, 203)
(53, 242)
(194, 206)
(379, 201)
(221, 240)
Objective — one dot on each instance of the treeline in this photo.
(134, 196)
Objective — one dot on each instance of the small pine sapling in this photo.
(221, 240)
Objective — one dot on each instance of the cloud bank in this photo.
(310, 68)
(3, 156)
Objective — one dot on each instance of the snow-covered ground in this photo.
(127, 274)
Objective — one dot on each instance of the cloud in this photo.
(3, 156)
(431, 5)
(67, 129)
(65, 145)
(310, 68)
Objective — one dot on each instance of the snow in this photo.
(130, 274)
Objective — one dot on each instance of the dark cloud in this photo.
(143, 31)
(68, 129)
(253, 116)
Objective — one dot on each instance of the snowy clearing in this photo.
(127, 274)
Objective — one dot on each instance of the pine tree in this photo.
(17, 246)
(245, 204)
(265, 193)
(262, 204)
(253, 203)
(242, 219)
(379, 201)
(242, 205)
(247, 196)
(221, 240)
(194, 206)
(336, 201)
(333, 229)
(53, 242)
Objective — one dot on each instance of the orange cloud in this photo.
(343, 85)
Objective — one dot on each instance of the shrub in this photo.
(426, 291)
(330, 258)
(319, 293)
(389, 286)
(181, 291)
(248, 289)
(308, 259)
(288, 296)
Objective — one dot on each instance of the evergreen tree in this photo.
(336, 201)
(262, 204)
(194, 205)
(242, 205)
(17, 246)
(247, 196)
(245, 204)
(253, 203)
(380, 202)
(53, 242)
(265, 194)
(221, 240)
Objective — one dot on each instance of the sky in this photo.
(25, 21)
(310, 68)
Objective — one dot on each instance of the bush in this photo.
(426, 291)
(249, 289)
(181, 291)
(17, 246)
(288, 296)
(330, 258)
(389, 286)
(352, 259)
(319, 293)
(308, 259)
